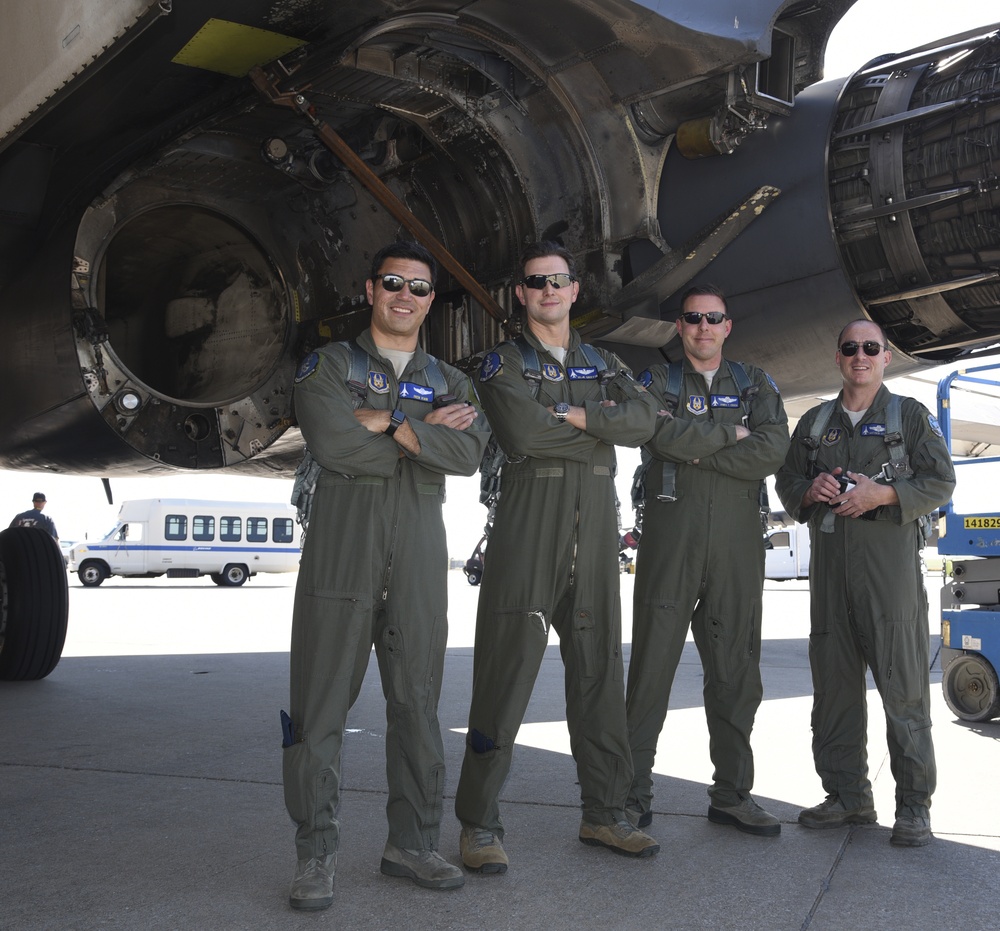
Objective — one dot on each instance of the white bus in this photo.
(180, 538)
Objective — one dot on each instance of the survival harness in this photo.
(897, 467)
(675, 377)
(494, 458)
(359, 362)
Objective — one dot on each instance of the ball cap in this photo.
(38, 496)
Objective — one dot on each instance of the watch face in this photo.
(562, 408)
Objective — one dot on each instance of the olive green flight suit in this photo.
(700, 564)
(868, 603)
(373, 571)
(552, 561)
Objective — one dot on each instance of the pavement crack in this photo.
(824, 886)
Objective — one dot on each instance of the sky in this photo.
(78, 505)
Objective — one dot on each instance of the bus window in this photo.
(175, 527)
(202, 527)
(230, 529)
(256, 529)
(281, 530)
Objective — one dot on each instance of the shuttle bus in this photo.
(229, 541)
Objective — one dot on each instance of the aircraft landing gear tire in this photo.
(970, 688)
(34, 604)
(234, 574)
(92, 573)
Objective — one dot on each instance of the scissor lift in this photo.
(970, 600)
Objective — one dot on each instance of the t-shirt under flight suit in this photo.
(868, 604)
(552, 561)
(700, 564)
(373, 571)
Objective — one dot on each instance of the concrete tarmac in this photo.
(140, 788)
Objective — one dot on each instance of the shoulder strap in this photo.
(531, 368)
(668, 470)
(898, 465)
(357, 371)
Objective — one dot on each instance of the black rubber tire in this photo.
(92, 572)
(235, 574)
(217, 578)
(474, 576)
(970, 688)
(34, 604)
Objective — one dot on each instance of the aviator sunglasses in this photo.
(870, 346)
(714, 317)
(418, 287)
(538, 282)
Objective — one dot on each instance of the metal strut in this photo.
(297, 101)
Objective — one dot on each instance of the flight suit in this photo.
(373, 571)
(868, 604)
(552, 561)
(700, 564)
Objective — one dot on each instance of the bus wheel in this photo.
(234, 574)
(92, 573)
(34, 603)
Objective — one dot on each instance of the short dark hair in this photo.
(545, 248)
(404, 249)
(881, 330)
(709, 289)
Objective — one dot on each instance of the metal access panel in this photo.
(971, 535)
(48, 45)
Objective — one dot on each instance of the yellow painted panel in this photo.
(232, 48)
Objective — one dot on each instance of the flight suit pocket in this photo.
(729, 649)
(586, 644)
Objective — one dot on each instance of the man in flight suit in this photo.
(373, 571)
(700, 562)
(868, 604)
(553, 562)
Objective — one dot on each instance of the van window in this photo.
(256, 529)
(230, 529)
(175, 527)
(202, 527)
(281, 530)
(781, 540)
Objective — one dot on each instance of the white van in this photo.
(180, 538)
(787, 553)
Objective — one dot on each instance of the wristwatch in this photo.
(561, 410)
(396, 419)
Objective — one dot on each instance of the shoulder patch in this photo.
(491, 367)
(832, 436)
(378, 382)
(306, 367)
(771, 382)
(645, 378)
(932, 422)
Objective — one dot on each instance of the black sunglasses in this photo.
(714, 317)
(870, 346)
(418, 287)
(538, 282)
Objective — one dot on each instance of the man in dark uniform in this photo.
(35, 517)
(700, 563)
(373, 571)
(868, 604)
(552, 562)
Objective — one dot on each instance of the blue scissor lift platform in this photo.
(970, 599)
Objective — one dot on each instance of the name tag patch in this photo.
(583, 373)
(873, 429)
(415, 392)
(725, 400)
